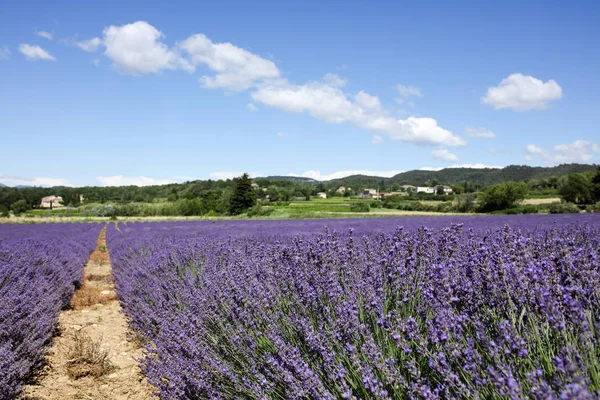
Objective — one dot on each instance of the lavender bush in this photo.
(471, 310)
(39, 267)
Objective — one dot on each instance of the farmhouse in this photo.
(434, 189)
(425, 189)
(51, 202)
(369, 194)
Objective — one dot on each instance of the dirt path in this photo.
(94, 356)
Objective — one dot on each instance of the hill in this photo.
(450, 176)
(295, 179)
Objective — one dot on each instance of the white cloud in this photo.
(46, 35)
(119, 180)
(35, 53)
(317, 175)
(4, 53)
(444, 155)
(251, 107)
(522, 93)
(235, 68)
(473, 166)
(33, 181)
(377, 139)
(367, 101)
(408, 91)
(480, 133)
(136, 49)
(334, 80)
(90, 45)
(284, 134)
(328, 103)
(580, 151)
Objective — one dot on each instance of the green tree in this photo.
(596, 185)
(243, 196)
(19, 206)
(502, 196)
(465, 202)
(4, 213)
(576, 188)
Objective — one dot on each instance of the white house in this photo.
(51, 202)
(425, 189)
(369, 194)
(322, 195)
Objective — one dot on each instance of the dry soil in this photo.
(106, 325)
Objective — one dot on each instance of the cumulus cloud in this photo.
(4, 53)
(330, 104)
(251, 107)
(34, 53)
(235, 68)
(119, 180)
(480, 133)
(45, 35)
(366, 101)
(136, 48)
(33, 181)
(580, 151)
(90, 45)
(444, 155)
(408, 91)
(522, 93)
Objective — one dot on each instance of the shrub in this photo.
(104, 210)
(85, 356)
(502, 196)
(259, 211)
(19, 206)
(557, 208)
(359, 207)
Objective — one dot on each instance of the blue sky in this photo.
(112, 92)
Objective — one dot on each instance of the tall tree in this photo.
(576, 188)
(243, 196)
(596, 185)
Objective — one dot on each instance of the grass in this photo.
(85, 357)
(89, 295)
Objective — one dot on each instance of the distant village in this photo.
(406, 190)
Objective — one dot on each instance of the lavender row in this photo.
(40, 266)
(453, 312)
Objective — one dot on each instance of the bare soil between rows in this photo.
(94, 357)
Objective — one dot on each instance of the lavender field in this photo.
(490, 307)
(40, 267)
